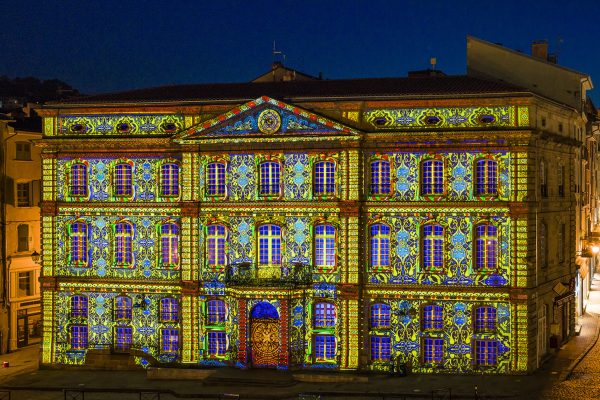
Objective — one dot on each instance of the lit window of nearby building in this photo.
(217, 343)
(433, 350)
(486, 246)
(216, 312)
(169, 245)
(216, 179)
(79, 244)
(485, 319)
(486, 352)
(23, 237)
(270, 178)
(123, 179)
(433, 317)
(78, 184)
(324, 246)
(380, 245)
(324, 315)
(79, 337)
(25, 284)
(123, 306)
(123, 338)
(380, 348)
(24, 194)
(79, 306)
(432, 177)
(486, 173)
(169, 183)
(380, 177)
(215, 245)
(380, 316)
(325, 347)
(269, 245)
(433, 246)
(324, 178)
(169, 310)
(23, 151)
(169, 340)
(124, 245)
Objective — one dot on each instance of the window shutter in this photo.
(9, 192)
(35, 193)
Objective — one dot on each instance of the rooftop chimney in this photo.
(539, 49)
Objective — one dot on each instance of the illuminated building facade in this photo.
(343, 225)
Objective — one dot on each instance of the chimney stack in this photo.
(539, 49)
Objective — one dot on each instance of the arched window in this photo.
(432, 177)
(270, 177)
(169, 310)
(169, 179)
(486, 172)
(486, 246)
(123, 308)
(169, 245)
(380, 315)
(380, 177)
(269, 245)
(216, 179)
(79, 244)
(543, 245)
(324, 315)
(124, 244)
(324, 178)
(215, 312)
(380, 246)
(433, 246)
(78, 184)
(215, 245)
(485, 319)
(123, 179)
(324, 246)
(433, 317)
(79, 306)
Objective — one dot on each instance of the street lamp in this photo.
(35, 257)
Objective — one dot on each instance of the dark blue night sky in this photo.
(100, 46)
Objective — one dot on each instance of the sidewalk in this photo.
(20, 362)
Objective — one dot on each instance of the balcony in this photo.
(286, 275)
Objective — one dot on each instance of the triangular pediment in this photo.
(264, 117)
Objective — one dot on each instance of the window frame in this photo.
(329, 190)
(169, 181)
(220, 346)
(169, 241)
(172, 313)
(127, 259)
(84, 260)
(79, 306)
(123, 312)
(432, 320)
(486, 178)
(270, 237)
(423, 184)
(380, 316)
(270, 194)
(436, 350)
(483, 322)
(24, 194)
(125, 346)
(216, 239)
(122, 179)
(326, 348)
(476, 351)
(434, 237)
(216, 312)
(220, 182)
(326, 320)
(543, 180)
(323, 239)
(169, 342)
(83, 341)
(380, 347)
(21, 239)
(380, 177)
(486, 237)
(23, 155)
(79, 170)
(383, 254)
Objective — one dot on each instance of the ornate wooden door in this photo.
(264, 337)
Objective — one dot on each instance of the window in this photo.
(79, 244)
(123, 308)
(432, 177)
(25, 284)
(124, 245)
(486, 177)
(169, 245)
(543, 245)
(24, 194)
(270, 178)
(380, 246)
(325, 246)
(23, 151)
(169, 340)
(380, 348)
(561, 242)
(269, 243)
(486, 352)
(486, 244)
(216, 312)
(169, 184)
(433, 247)
(560, 176)
(215, 245)
(79, 337)
(325, 347)
(123, 180)
(380, 177)
(79, 306)
(216, 179)
(380, 316)
(324, 178)
(122, 338)
(433, 350)
(324, 315)
(543, 182)
(79, 180)
(217, 343)
(23, 237)
(485, 319)
(169, 310)
(433, 317)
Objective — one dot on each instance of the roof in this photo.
(321, 89)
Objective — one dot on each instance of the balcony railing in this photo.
(286, 275)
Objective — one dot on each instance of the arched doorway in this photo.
(264, 335)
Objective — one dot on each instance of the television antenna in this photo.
(278, 53)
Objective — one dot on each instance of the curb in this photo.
(566, 374)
